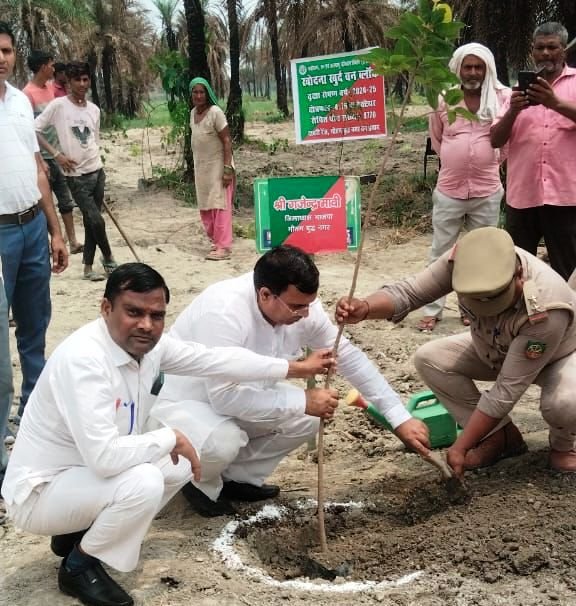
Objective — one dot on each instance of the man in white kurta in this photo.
(83, 461)
(242, 432)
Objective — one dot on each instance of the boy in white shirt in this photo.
(77, 124)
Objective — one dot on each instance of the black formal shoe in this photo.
(93, 586)
(62, 544)
(204, 505)
(240, 491)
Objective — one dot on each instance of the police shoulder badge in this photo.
(534, 349)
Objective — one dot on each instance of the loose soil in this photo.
(511, 543)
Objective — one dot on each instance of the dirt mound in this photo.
(513, 525)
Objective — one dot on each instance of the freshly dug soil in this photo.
(406, 526)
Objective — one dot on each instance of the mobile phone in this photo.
(525, 78)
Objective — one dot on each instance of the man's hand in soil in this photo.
(184, 448)
(455, 458)
(317, 363)
(414, 434)
(321, 402)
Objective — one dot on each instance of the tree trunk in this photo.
(234, 113)
(171, 40)
(271, 18)
(107, 66)
(92, 59)
(197, 64)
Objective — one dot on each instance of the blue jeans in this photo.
(26, 269)
(6, 387)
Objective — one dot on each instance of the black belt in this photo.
(20, 218)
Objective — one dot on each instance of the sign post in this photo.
(316, 214)
(337, 97)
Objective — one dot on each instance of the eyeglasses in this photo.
(294, 309)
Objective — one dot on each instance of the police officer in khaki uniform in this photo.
(522, 332)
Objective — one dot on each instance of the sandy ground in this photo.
(510, 544)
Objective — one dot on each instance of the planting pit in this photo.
(403, 530)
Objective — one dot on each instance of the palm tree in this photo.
(47, 24)
(167, 11)
(506, 27)
(234, 112)
(115, 46)
(195, 29)
(218, 47)
(344, 25)
(268, 10)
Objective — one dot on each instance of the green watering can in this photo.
(424, 406)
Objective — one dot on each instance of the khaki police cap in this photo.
(484, 268)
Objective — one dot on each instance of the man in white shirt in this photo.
(27, 215)
(84, 468)
(242, 432)
(77, 151)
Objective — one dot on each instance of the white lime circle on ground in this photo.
(223, 545)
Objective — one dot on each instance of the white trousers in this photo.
(234, 449)
(449, 217)
(117, 511)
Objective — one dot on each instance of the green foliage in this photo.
(152, 115)
(423, 45)
(174, 181)
(172, 67)
(406, 203)
(244, 230)
(278, 145)
(416, 124)
(258, 109)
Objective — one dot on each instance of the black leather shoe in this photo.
(62, 544)
(204, 505)
(240, 491)
(93, 586)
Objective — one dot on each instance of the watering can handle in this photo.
(418, 398)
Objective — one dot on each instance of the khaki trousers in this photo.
(449, 367)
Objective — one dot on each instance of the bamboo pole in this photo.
(371, 200)
(122, 232)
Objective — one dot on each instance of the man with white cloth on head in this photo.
(469, 191)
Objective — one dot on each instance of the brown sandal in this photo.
(428, 323)
(220, 254)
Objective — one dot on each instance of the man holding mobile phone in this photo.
(540, 127)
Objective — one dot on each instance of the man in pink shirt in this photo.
(540, 128)
(468, 191)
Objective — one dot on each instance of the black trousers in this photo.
(556, 224)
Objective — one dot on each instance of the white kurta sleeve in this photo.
(355, 366)
(231, 363)
(224, 332)
(82, 390)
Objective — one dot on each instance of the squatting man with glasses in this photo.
(242, 432)
(85, 467)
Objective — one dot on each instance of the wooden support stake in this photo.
(371, 199)
(122, 232)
